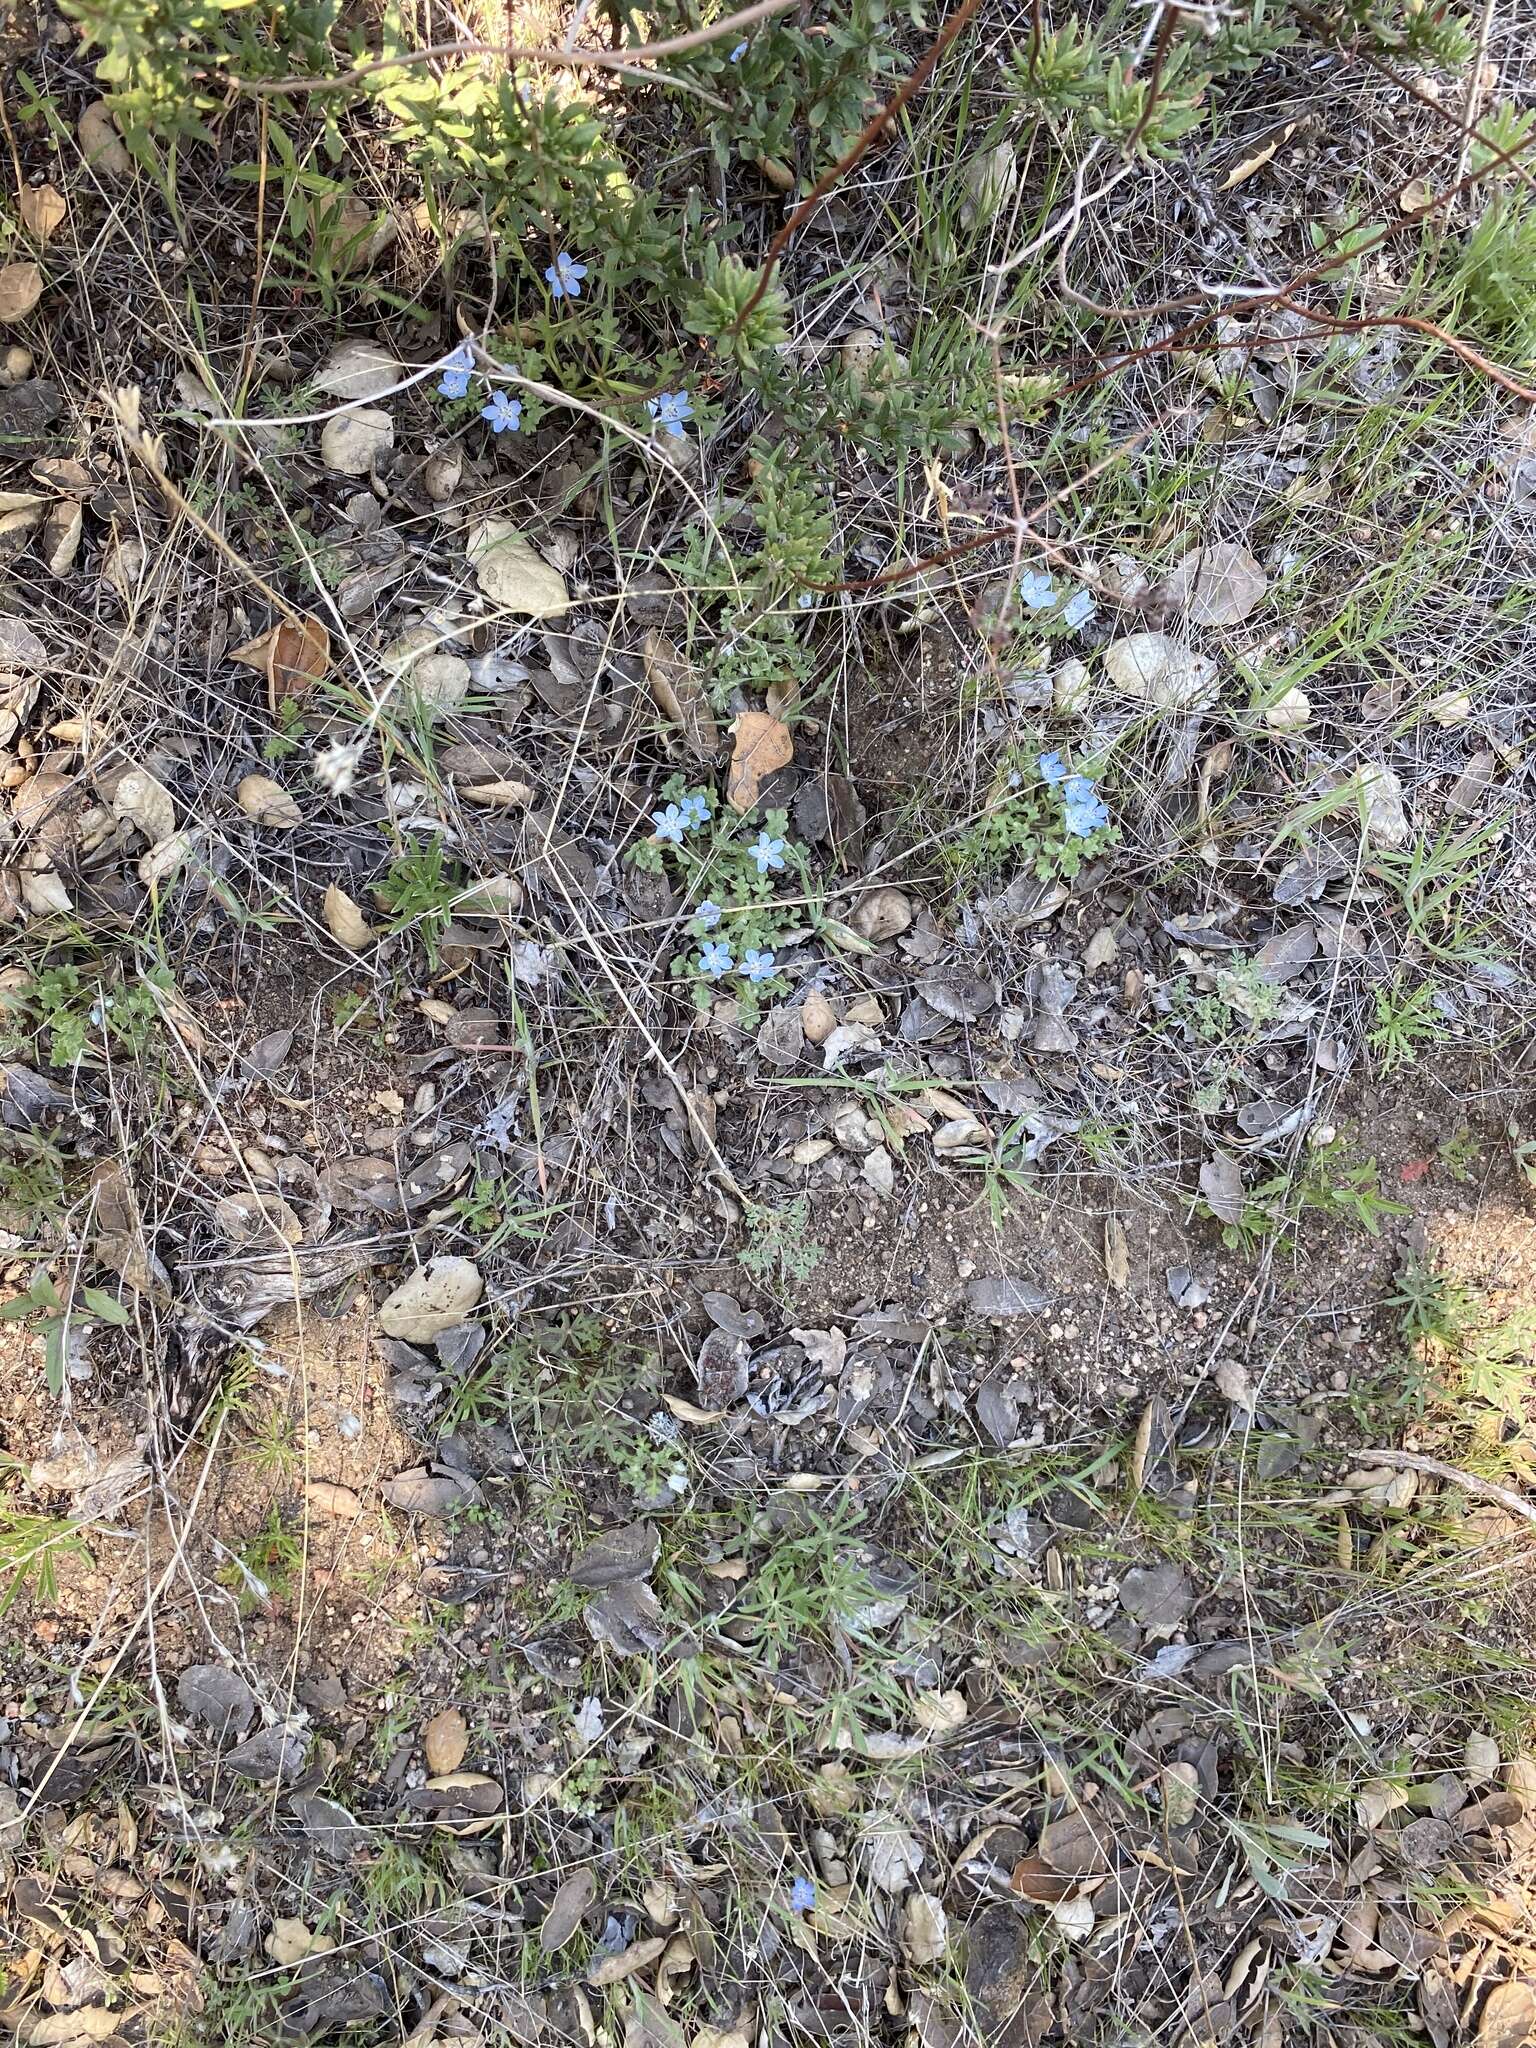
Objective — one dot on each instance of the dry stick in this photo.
(1435, 1468)
(1475, 86)
(512, 53)
(845, 163)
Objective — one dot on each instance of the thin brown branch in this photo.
(845, 163)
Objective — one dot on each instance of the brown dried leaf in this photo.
(762, 746)
(21, 286)
(679, 695)
(42, 211)
(300, 655)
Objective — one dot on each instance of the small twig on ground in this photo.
(1436, 1468)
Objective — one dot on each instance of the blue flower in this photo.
(504, 414)
(1078, 609)
(802, 1895)
(564, 277)
(806, 599)
(767, 852)
(695, 807)
(757, 966)
(1052, 769)
(739, 52)
(671, 824)
(707, 916)
(454, 382)
(669, 409)
(1036, 590)
(715, 959)
(1085, 810)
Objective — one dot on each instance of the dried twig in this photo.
(1435, 1468)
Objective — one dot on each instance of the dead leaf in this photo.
(512, 574)
(925, 1930)
(103, 148)
(1417, 196)
(1160, 673)
(326, 1497)
(344, 921)
(1259, 156)
(61, 537)
(1217, 585)
(1509, 2015)
(763, 744)
(566, 1909)
(21, 286)
(1117, 1257)
(1221, 1183)
(268, 803)
(628, 1963)
(299, 657)
(42, 211)
(679, 695)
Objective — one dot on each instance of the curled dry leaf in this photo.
(344, 921)
(101, 145)
(42, 211)
(566, 1909)
(268, 803)
(61, 537)
(21, 286)
(762, 746)
(679, 695)
(1217, 585)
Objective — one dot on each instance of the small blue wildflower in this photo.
(806, 599)
(767, 852)
(757, 966)
(802, 1895)
(1078, 609)
(1036, 590)
(669, 409)
(454, 382)
(564, 276)
(671, 824)
(740, 51)
(1052, 769)
(1084, 809)
(715, 959)
(695, 807)
(708, 915)
(505, 415)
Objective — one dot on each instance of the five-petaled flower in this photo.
(708, 915)
(740, 51)
(671, 824)
(454, 382)
(695, 807)
(564, 276)
(669, 409)
(504, 414)
(1036, 590)
(802, 1895)
(1052, 769)
(767, 852)
(1084, 809)
(1078, 609)
(757, 966)
(715, 959)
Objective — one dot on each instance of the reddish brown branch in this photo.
(845, 163)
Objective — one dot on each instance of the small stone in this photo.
(1071, 688)
(354, 441)
(879, 1171)
(432, 1300)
